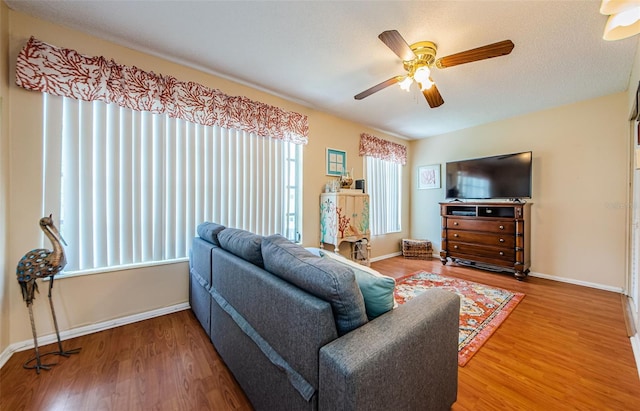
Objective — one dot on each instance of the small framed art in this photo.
(336, 162)
(429, 177)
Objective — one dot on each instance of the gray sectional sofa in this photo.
(292, 328)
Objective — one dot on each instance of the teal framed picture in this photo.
(336, 162)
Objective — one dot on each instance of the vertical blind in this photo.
(384, 180)
(131, 187)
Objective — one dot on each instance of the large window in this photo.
(130, 187)
(384, 180)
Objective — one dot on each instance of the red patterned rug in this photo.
(482, 308)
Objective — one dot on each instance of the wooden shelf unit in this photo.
(491, 236)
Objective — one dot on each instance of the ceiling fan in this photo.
(419, 58)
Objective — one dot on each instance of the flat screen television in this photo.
(505, 176)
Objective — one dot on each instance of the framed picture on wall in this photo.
(336, 162)
(429, 177)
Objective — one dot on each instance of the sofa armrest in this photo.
(404, 359)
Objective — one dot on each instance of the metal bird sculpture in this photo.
(42, 263)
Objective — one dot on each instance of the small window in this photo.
(384, 181)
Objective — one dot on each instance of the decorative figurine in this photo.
(42, 263)
(346, 179)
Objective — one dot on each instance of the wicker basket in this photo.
(419, 249)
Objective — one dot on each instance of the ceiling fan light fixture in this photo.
(426, 85)
(422, 74)
(406, 83)
(609, 7)
(620, 26)
(624, 19)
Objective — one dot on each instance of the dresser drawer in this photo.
(482, 225)
(497, 240)
(505, 254)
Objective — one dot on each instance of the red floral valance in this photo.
(383, 149)
(65, 72)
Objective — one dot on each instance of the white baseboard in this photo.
(384, 257)
(89, 329)
(577, 282)
(635, 346)
(532, 274)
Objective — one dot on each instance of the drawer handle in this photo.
(502, 227)
(455, 246)
(501, 240)
(501, 252)
(455, 223)
(455, 235)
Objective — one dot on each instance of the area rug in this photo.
(482, 308)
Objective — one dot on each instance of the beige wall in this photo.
(327, 131)
(580, 184)
(4, 176)
(631, 100)
(87, 300)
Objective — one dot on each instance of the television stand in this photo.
(489, 236)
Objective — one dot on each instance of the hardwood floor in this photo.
(563, 348)
(165, 363)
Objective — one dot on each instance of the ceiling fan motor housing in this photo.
(425, 52)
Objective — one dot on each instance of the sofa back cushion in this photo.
(209, 231)
(321, 277)
(243, 244)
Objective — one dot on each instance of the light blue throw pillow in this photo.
(377, 289)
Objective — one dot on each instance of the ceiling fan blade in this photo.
(498, 49)
(378, 87)
(397, 44)
(433, 96)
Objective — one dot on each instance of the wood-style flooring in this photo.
(563, 348)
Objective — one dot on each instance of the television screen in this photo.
(504, 176)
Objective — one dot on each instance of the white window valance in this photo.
(376, 147)
(64, 72)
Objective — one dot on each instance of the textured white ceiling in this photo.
(322, 53)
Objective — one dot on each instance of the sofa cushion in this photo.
(209, 231)
(377, 289)
(243, 244)
(321, 277)
(314, 250)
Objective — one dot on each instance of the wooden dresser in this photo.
(492, 236)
